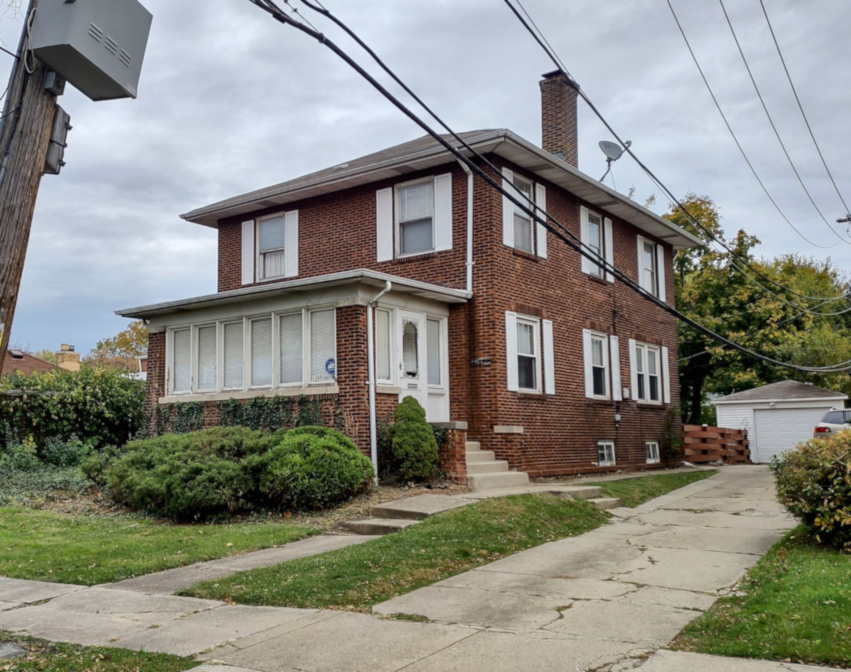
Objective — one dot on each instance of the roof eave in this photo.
(722, 402)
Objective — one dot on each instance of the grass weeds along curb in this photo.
(52, 657)
(358, 577)
(636, 491)
(794, 605)
(45, 546)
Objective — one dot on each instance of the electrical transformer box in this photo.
(97, 45)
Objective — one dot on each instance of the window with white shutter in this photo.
(323, 346)
(520, 229)
(651, 267)
(383, 348)
(261, 353)
(650, 373)
(596, 356)
(291, 335)
(596, 236)
(277, 246)
(234, 355)
(416, 218)
(207, 358)
(182, 361)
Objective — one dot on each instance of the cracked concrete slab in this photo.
(174, 580)
(531, 584)
(677, 661)
(221, 668)
(753, 542)
(29, 592)
(681, 599)
(730, 505)
(203, 631)
(469, 606)
(700, 571)
(9, 605)
(645, 624)
(350, 643)
(111, 601)
(491, 651)
(718, 519)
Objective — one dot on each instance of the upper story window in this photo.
(598, 242)
(651, 267)
(650, 373)
(270, 248)
(416, 218)
(520, 230)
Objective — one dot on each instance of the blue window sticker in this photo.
(331, 367)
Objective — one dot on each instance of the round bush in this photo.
(314, 468)
(814, 483)
(191, 476)
(414, 446)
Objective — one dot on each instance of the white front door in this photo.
(423, 362)
(411, 329)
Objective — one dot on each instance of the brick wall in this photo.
(559, 119)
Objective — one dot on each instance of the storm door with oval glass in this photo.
(423, 364)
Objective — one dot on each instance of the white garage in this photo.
(778, 416)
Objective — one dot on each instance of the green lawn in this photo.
(50, 657)
(796, 605)
(45, 546)
(635, 491)
(437, 548)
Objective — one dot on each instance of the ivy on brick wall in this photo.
(179, 418)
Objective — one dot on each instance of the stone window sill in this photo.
(312, 391)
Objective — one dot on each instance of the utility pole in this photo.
(27, 123)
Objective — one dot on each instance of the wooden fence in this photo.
(710, 444)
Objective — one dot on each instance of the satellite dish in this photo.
(612, 150)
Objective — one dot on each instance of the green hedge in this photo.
(814, 484)
(414, 447)
(222, 471)
(95, 406)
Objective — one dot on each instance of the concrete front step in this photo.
(506, 479)
(606, 503)
(492, 467)
(579, 491)
(377, 526)
(417, 508)
(473, 446)
(480, 456)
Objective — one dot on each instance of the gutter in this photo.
(469, 226)
(370, 357)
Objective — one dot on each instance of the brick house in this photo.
(503, 333)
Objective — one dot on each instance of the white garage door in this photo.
(781, 429)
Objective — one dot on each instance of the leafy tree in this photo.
(121, 351)
(712, 290)
(46, 356)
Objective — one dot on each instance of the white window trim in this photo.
(641, 350)
(606, 463)
(397, 217)
(391, 318)
(308, 352)
(659, 290)
(536, 340)
(588, 338)
(443, 338)
(258, 256)
(647, 449)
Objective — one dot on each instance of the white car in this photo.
(831, 423)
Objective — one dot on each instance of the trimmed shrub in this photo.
(814, 483)
(415, 452)
(314, 468)
(96, 406)
(221, 471)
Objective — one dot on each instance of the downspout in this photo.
(469, 226)
(370, 357)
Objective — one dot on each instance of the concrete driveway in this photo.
(608, 600)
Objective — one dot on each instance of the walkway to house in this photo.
(607, 600)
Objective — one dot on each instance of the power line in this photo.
(801, 107)
(270, 7)
(773, 126)
(669, 194)
(733, 133)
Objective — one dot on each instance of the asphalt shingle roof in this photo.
(785, 390)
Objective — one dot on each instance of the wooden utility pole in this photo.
(24, 141)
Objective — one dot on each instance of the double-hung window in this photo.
(647, 373)
(606, 453)
(416, 218)
(597, 243)
(652, 448)
(523, 237)
(271, 247)
(651, 267)
(530, 351)
(181, 368)
(596, 353)
(233, 334)
(528, 355)
(650, 373)
(207, 358)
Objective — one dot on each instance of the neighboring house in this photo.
(18, 361)
(493, 324)
(778, 416)
(142, 373)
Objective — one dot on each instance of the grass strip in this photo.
(635, 491)
(794, 605)
(46, 546)
(357, 577)
(54, 657)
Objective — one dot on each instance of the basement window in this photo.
(652, 448)
(606, 453)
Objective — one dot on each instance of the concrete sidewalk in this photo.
(608, 600)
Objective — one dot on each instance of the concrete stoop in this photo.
(485, 472)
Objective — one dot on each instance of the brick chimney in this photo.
(559, 119)
(67, 358)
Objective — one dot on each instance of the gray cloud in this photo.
(231, 101)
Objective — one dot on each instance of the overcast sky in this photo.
(232, 101)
